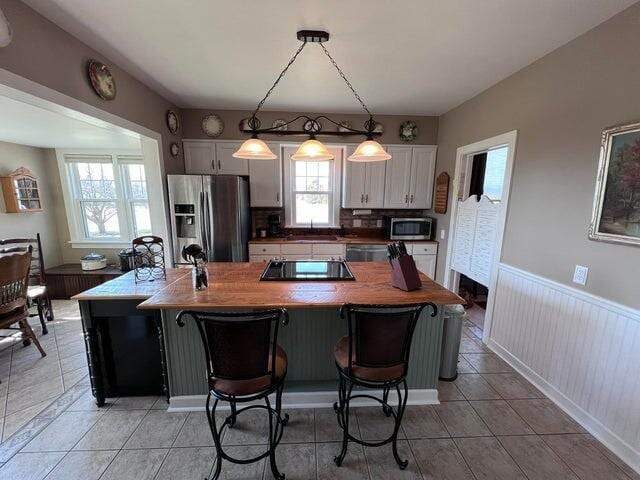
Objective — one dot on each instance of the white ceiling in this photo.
(409, 57)
(27, 124)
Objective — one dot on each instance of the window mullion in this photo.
(126, 230)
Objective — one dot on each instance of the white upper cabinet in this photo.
(226, 164)
(409, 177)
(265, 180)
(423, 167)
(199, 157)
(398, 178)
(362, 183)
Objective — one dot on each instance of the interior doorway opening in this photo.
(481, 192)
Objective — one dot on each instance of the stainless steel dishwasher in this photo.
(366, 252)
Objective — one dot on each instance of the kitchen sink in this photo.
(327, 238)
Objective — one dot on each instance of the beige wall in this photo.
(192, 119)
(46, 223)
(559, 105)
(44, 53)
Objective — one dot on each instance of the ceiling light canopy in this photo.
(312, 149)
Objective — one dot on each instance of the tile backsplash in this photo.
(259, 216)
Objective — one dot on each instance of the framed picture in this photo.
(616, 206)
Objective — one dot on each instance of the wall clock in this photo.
(408, 131)
(101, 80)
(173, 122)
(174, 149)
(212, 125)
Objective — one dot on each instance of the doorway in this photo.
(480, 192)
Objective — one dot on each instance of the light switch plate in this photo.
(580, 275)
(443, 234)
(378, 223)
(357, 222)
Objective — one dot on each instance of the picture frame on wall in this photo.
(616, 205)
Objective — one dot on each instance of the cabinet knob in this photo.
(366, 198)
(219, 165)
(406, 199)
(277, 196)
(411, 201)
(362, 198)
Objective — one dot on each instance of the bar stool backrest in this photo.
(14, 280)
(239, 345)
(380, 335)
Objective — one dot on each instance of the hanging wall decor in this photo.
(173, 122)
(212, 125)
(101, 80)
(441, 193)
(174, 149)
(616, 206)
(408, 131)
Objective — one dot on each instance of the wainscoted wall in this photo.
(583, 351)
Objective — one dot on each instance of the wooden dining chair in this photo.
(38, 294)
(14, 283)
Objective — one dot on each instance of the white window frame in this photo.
(75, 219)
(335, 181)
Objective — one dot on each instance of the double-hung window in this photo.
(105, 196)
(312, 190)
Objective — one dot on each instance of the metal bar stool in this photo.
(244, 364)
(375, 355)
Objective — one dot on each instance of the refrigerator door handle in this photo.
(207, 201)
(203, 227)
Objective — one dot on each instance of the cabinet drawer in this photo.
(329, 248)
(264, 249)
(296, 248)
(260, 258)
(302, 256)
(425, 249)
(327, 256)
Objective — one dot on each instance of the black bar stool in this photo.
(375, 355)
(244, 364)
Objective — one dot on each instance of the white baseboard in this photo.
(614, 443)
(322, 399)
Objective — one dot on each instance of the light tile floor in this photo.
(491, 424)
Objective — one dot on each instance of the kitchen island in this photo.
(314, 328)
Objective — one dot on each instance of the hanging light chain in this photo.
(282, 74)
(345, 79)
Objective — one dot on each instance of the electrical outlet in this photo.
(378, 223)
(580, 275)
(443, 234)
(357, 222)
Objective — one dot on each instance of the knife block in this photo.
(404, 274)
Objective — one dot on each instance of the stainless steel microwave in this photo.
(409, 228)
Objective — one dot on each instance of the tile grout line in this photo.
(6, 396)
(164, 459)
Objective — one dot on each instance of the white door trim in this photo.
(27, 91)
(451, 277)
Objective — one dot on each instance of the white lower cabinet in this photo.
(425, 255)
(261, 258)
(296, 251)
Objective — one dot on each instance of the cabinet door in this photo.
(423, 164)
(265, 180)
(398, 177)
(226, 164)
(353, 182)
(426, 264)
(374, 184)
(199, 157)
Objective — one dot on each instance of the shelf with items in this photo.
(21, 192)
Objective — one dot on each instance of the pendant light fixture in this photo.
(312, 149)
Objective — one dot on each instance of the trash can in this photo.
(453, 319)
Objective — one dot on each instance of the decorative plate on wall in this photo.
(280, 124)
(312, 126)
(408, 131)
(212, 125)
(344, 127)
(379, 128)
(173, 122)
(101, 80)
(244, 127)
(174, 149)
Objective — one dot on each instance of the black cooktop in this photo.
(309, 270)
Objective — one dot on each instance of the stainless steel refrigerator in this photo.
(212, 211)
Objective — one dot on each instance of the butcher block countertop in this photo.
(125, 287)
(237, 285)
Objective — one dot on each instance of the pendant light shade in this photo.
(312, 150)
(369, 151)
(255, 149)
